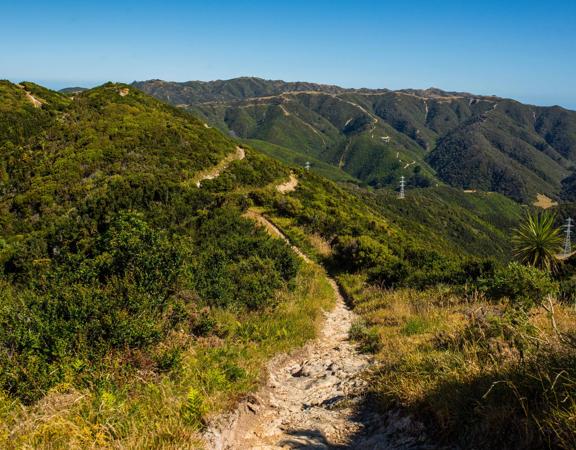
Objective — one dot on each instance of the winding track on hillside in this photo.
(37, 103)
(289, 186)
(214, 172)
(312, 397)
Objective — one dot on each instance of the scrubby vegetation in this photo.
(481, 369)
(133, 304)
(465, 140)
(128, 296)
(480, 350)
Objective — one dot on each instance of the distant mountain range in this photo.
(375, 136)
(73, 90)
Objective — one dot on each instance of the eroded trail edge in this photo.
(313, 397)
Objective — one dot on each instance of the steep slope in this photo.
(467, 141)
(507, 150)
(468, 223)
(569, 188)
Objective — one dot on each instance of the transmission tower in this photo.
(567, 240)
(401, 194)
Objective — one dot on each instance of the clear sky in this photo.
(520, 49)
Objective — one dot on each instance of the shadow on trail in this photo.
(392, 430)
(309, 440)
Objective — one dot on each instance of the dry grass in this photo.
(544, 202)
(321, 246)
(479, 374)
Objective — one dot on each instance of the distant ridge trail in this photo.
(215, 171)
(289, 186)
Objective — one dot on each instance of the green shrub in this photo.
(368, 338)
(568, 291)
(193, 409)
(389, 273)
(362, 252)
(523, 285)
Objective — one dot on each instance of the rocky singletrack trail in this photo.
(313, 398)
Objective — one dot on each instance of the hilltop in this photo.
(375, 136)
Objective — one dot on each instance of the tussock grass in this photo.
(144, 409)
(480, 374)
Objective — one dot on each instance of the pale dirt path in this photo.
(37, 103)
(215, 171)
(289, 186)
(313, 397)
(298, 405)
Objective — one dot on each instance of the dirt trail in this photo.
(289, 186)
(37, 103)
(214, 172)
(313, 398)
(341, 162)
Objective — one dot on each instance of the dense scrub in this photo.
(397, 243)
(114, 265)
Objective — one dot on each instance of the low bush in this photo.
(523, 285)
(362, 252)
(568, 291)
(368, 338)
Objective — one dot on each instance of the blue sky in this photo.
(520, 49)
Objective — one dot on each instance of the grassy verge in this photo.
(480, 374)
(147, 410)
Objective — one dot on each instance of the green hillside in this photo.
(98, 198)
(136, 301)
(116, 270)
(474, 224)
(293, 158)
(465, 140)
(569, 188)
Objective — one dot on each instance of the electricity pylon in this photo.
(402, 194)
(567, 240)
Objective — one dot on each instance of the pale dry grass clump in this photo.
(321, 245)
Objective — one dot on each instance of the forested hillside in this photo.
(464, 140)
